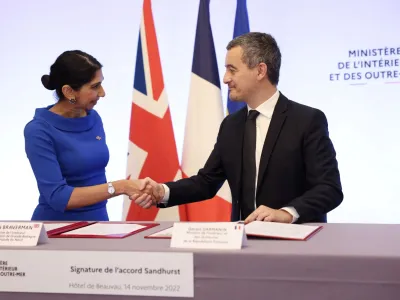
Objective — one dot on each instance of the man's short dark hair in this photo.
(259, 48)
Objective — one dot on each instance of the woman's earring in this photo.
(72, 101)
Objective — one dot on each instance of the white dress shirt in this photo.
(263, 120)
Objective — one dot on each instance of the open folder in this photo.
(281, 230)
(106, 230)
(262, 230)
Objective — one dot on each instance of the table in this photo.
(342, 261)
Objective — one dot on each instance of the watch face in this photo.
(111, 190)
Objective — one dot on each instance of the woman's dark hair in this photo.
(74, 68)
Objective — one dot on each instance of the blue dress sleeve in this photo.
(42, 156)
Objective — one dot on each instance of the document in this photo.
(280, 230)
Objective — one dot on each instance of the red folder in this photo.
(278, 237)
(71, 234)
(71, 226)
(282, 231)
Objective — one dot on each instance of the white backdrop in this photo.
(314, 37)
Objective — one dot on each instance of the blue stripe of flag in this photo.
(204, 57)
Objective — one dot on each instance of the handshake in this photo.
(144, 192)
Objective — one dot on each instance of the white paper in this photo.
(163, 233)
(279, 230)
(51, 226)
(105, 229)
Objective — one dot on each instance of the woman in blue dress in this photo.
(66, 145)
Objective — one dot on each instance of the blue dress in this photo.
(65, 153)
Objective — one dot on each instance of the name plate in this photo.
(219, 235)
(97, 272)
(22, 234)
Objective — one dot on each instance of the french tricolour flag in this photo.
(204, 116)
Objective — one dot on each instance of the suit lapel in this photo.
(277, 121)
(236, 152)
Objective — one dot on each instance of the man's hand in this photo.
(264, 213)
(151, 193)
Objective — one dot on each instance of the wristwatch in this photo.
(111, 189)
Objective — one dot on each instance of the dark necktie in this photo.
(249, 165)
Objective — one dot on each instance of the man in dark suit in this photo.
(275, 153)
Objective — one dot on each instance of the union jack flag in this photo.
(152, 148)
